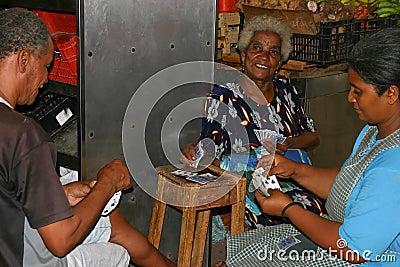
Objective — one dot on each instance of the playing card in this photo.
(288, 242)
(258, 134)
(202, 178)
(198, 179)
(112, 203)
(199, 154)
(280, 139)
(183, 173)
(257, 179)
(268, 134)
(270, 182)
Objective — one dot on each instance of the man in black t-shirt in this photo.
(30, 189)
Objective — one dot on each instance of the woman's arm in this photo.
(307, 141)
(304, 135)
(189, 155)
(317, 180)
(211, 128)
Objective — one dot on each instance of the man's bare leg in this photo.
(142, 252)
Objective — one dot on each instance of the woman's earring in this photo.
(243, 67)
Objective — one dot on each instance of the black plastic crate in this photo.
(364, 27)
(329, 46)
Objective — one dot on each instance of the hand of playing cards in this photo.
(268, 134)
(262, 183)
(112, 204)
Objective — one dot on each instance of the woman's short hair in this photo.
(266, 24)
(21, 29)
(376, 59)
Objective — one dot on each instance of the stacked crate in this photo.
(228, 34)
(62, 27)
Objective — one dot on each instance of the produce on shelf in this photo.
(332, 10)
(385, 8)
(362, 12)
(326, 10)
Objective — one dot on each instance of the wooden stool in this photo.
(194, 232)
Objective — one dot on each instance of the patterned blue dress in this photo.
(230, 118)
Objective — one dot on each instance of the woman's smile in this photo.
(261, 66)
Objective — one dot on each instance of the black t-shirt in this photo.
(29, 184)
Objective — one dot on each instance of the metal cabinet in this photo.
(336, 121)
(123, 44)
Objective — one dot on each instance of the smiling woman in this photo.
(261, 100)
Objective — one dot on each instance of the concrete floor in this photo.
(218, 251)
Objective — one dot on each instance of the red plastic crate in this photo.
(65, 62)
(58, 23)
(62, 27)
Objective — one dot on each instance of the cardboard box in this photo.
(228, 31)
(233, 57)
(228, 19)
(301, 22)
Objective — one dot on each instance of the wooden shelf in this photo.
(68, 6)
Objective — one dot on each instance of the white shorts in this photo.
(95, 250)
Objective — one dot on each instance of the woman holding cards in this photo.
(235, 111)
(362, 198)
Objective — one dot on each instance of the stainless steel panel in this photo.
(123, 43)
(327, 85)
(337, 123)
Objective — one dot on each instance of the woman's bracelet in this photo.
(285, 209)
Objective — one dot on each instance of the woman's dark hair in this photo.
(21, 29)
(376, 59)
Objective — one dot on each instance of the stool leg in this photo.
(156, 223)
(237, 220)
(186, 239)
(203, 218)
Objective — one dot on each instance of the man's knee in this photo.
(100, 255)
